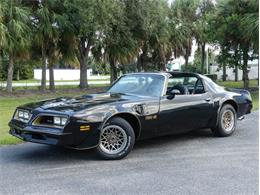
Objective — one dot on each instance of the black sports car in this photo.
(137, 106)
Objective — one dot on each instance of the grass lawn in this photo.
(238, 84)
(8, 103)
(255, 98)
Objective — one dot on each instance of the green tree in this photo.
(14, 33)
(148, 23)
(85, 18)
(184, 11)
(233, 34)
(202, 28)
(47, 31)
(118, 43)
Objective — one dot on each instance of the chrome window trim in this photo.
(166, 76)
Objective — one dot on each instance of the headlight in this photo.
(61, 121)
(57, 120)
(26, 115)
(22, 115)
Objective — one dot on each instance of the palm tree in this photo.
(14, 33)
(148, 24)
(237, 28)
(118, 42)
(2, 31)
(179, 32)
(184, 11)
(250, 24)
(46, 23)
(201, 28)
(84, 17)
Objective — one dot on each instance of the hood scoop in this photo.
(78, 103)
(59, 102)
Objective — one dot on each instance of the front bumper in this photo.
(40, 135)
(71, 136)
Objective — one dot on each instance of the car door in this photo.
(184, 112)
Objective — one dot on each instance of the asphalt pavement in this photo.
(193, 163)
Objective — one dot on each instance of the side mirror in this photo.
(173, 93)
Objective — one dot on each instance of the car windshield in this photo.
(139, 84)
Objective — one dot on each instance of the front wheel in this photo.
(227, 121)
(117, 139)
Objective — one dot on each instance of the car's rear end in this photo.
(244, 101)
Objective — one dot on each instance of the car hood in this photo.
(74, 104)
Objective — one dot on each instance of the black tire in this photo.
(126, 148)
(219, 130)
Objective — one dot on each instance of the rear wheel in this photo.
(227, 121)
(117, 139)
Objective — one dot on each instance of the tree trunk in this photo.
(83, 73)
(113, 71)
(1, 67)
(18, 75)
(245, 77)
(186, 57)
(44, 67)
(257, 70)
(84, 52)
(203, 54)
(224, 76)
(123, 69)
(51, 77)
(10, 72)
(237, 61)
(144, 58)
(163, 66)
(144, 63)
(236, 72)
(138, 64)
(244, 67)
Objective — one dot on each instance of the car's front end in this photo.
(53, 128)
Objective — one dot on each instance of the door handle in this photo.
(207, 99)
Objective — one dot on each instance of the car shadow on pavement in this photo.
(41, 153)
(172, 140)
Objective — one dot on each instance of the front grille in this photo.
(47, 121)
(43, 120)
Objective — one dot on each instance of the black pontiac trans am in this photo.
(137, 106)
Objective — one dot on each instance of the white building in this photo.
(61, 74)
(230, 72)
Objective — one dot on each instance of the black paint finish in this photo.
(149, 116)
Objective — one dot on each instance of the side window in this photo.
(175, 81)
(185, 85)
(190, 83)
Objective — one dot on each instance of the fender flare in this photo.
(230, 101)
(110, 115)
